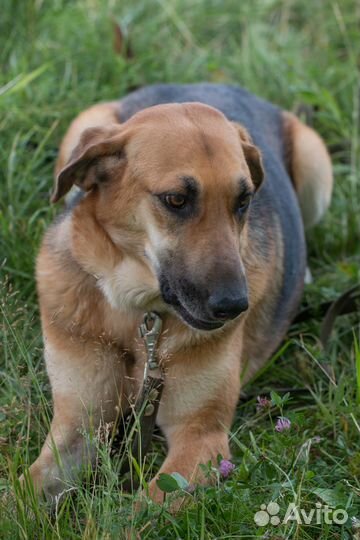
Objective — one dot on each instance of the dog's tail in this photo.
(310, 169)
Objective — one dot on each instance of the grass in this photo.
(57, 58)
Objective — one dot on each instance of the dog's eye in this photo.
(242, 205)
(175, 200)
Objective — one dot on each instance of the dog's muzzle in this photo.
(202, 310)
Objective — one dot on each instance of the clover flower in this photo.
(282, 424)
(262, 403)
(226, 468)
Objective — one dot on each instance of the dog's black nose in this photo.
(225, 307)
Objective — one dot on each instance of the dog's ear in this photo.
(252, 156)
(98, 151)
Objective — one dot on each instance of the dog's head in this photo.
(173, 186)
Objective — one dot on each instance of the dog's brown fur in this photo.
(310, 169)
(95, 283)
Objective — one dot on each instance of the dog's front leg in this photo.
(196, 412)
(89, 387)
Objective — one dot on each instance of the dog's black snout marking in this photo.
(227, 307)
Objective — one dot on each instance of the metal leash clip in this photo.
(150, 331)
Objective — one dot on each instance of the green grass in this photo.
(57, 58)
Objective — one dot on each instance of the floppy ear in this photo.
(86, 167)
(252, 156)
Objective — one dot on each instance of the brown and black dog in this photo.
(193, 203)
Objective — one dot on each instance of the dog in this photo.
(193, 204)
